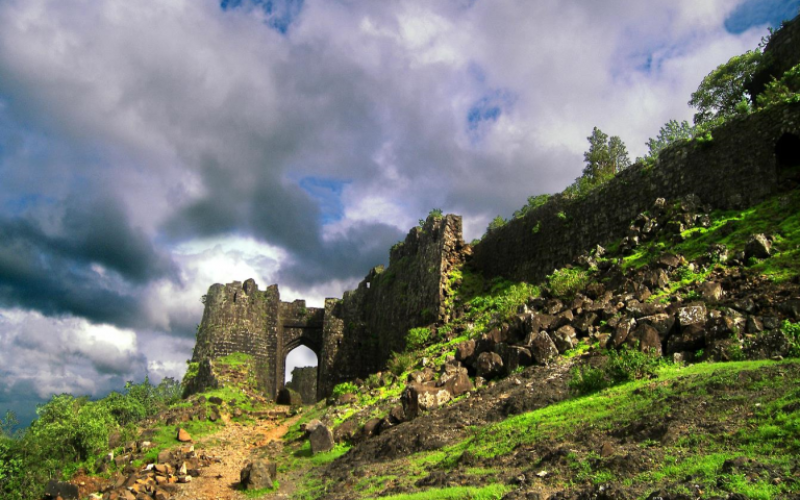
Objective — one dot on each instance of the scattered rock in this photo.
(183, 436)
(321, 439)
(710, 291)
(489, 365)
(542, 347)
(259, 474)
(758, 246)
(565, 338)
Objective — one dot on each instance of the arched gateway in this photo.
(352, 336)
(239, 317)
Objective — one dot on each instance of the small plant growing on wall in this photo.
(418, 337)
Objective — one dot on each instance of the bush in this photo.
(620, 366)
(792, 332)
(344, 388)
(418, 337)
(401, 362)
(496, 223)
(565, 283)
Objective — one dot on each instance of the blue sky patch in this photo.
(328, 193)
(280, 13)
(759, 12)
(486, 110)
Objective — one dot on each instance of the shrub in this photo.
(401, 362)
(792, 331)
(418, 337)
(566, 282)
(344, 388)
(620, 366)
(534, 202)
(496, 223)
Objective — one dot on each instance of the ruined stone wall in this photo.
(240, 318)
(371, 322)
(736, 169)
(304, 381)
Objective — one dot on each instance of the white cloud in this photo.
(65, 354)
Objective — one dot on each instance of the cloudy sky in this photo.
(149, 149)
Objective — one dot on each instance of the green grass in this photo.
(491, 492)
(235, 360)
(304, 452)
(778, 216)
(604, 410)
(261, 491)
(371, 485)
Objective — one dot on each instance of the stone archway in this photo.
(298, 326)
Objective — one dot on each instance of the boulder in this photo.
(183, 436)
(65, 491)
(465, 352)
(372, 427)
(621, 332)
(456, 381)
(710, 291)
(489, 365)
(584, 323)
(420, 397)
(311, 425)
(513, 357)
(258, 474)
(397, 414)
(758, 246)
(565, 338)
(214, 400)
(645, 338)
(668, 261)
(662, 322)
(321, 439)
(346, 431)
(542, 348)
(695, 314)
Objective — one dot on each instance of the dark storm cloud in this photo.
(89, 266)
(352, 255)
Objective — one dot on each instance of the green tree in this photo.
(722, 90)
(605, 157)
(598, 157)
(618, 155)
(670, 133)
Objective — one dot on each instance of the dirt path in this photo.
(234, 446)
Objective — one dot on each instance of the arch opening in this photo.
(302, 373)
(787, 151)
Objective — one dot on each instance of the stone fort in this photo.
(748, 160)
